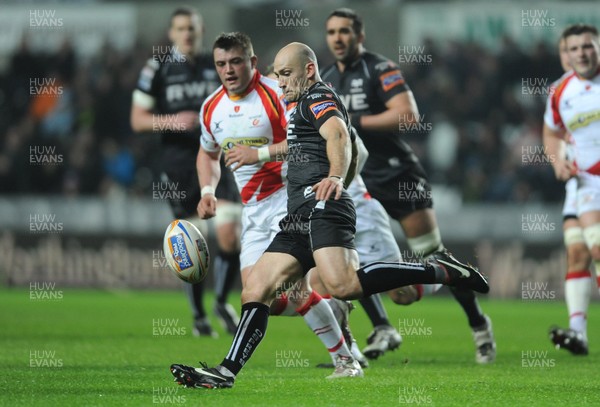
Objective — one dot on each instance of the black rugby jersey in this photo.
(307, 149)
(177, 84)
(364, 87)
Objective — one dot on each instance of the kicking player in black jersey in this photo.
(170, 91)
(379, 101)
(319, 227)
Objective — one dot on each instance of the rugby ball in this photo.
(186, 251)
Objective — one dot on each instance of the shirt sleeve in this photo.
(389, 80)
(207, 139)
(320, 107)
(552, 117)
(147, 90)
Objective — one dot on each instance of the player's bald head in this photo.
(296, 55)
(296, 68)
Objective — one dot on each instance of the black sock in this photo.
(227, 268)
(195, 293)
(384, 276)
(467, 300)
(375, 310)
(250, 331)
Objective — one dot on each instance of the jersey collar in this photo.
(581, 78)
(249, 89)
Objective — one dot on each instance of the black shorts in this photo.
(311, 228)
(405, 193)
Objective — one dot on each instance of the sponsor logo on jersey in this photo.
(391, 79)
(180, 252)
(320, 108)
(230, 142)
(583, 120)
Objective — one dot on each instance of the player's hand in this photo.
(188, 119)
(328, 186)
(240, 155)
(207, 207)
(564, 170)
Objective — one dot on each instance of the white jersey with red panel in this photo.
(256, 118)
(575, 107)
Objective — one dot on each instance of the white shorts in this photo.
(228, 212)
(374, 239)
(588, 193)
(260, 224)
(570, 205)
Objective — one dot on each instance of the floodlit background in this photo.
(77, 201)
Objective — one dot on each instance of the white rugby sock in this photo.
(319, 317)
(578, 290)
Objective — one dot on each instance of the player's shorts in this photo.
(409, 191)
(374, 239)
(570, 205)
(588, 193)
(314, 226)
(228, 212)
(260, 224)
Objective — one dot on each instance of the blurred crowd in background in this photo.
(479, 122)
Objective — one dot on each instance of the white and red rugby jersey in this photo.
(575, 106)
(256, 118)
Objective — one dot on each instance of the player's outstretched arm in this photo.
(554, 148)
(401, 108)
(209, 174)
(339, 153)
(245, 155)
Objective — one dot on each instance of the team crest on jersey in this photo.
(236, 109)
(391, 79)
(320, 108)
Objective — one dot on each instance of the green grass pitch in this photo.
(105, 348)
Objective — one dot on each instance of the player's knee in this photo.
(343, 290)
(592, 239)
(578, 256)
(404, 295)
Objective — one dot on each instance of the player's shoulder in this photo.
(566, 76)
(271, 84)
(558, 86)
(149, 71)
(320, 92)
(212, 98)
(378, 63)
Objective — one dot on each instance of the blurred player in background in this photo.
(248, 111)
(318, 230)
(378, 100)
(573, 111)
(168, 97)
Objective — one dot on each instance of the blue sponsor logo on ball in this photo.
(180, 252)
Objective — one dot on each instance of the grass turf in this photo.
(102, 348)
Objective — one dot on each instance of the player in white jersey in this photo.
(574, 108)
(247, 110)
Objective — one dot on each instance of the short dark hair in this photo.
(357, 23)
(231, 40)
(183, 11)
(578, 29)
